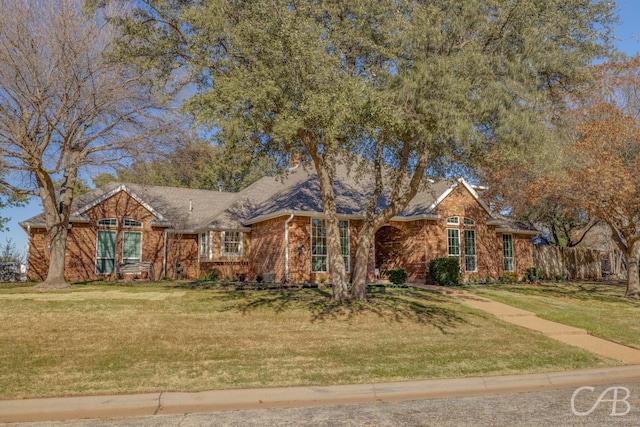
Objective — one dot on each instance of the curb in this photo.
(59, 409)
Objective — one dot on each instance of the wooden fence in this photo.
(570, 263)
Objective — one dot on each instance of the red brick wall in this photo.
(300, 249)
(402, 244)
(182, 249)
(38, 262)
(412, 245)
(267, 248)
(267, 252)
(522, 253)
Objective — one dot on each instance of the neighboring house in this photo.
(275, 228)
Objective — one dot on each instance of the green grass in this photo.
(601, 309)
(102, 339)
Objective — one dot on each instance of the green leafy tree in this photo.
(409, 86)
(197, 164)
(103, 179)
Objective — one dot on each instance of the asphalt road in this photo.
(616, 404)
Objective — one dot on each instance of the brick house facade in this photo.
(274, 229)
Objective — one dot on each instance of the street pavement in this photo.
(611, 404)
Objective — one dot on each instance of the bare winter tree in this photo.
(64, 107)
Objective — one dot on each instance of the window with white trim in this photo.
(231, 243)
(319, 247)
(108, 222)
(507, 249)
(453, 242)
(105, 252)
(469, 221)
(319, 250)
(131, 246)
(128, 222)
(203, 244)
(344, 243)
(453, 220)
(470, 250)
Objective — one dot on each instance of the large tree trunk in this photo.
(400, 196)
(58, 245)
(359, 276)
(336, 266)
(629, 247)
(633, 276)
(57, 220)
(336, 262)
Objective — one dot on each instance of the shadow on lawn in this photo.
(392, 306)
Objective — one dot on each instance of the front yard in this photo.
(601, 309)
(166, 337)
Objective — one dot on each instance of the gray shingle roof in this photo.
(182, 208)
(298, 191)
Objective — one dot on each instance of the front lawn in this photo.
(601, 309)
(164, 337)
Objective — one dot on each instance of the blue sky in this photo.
(627, 32)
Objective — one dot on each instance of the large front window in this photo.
(319, 248)
(470, 250)
(507, 249)
(203, 245)
(109, 240)
(453, 242)
(106, 252)
(319, 252)
(231, 243)
(344, 243)
(131, 246)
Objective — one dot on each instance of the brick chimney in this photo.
(294, 160)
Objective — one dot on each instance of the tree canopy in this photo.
(408, 86)
(194, 164)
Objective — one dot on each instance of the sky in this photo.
(627, 33)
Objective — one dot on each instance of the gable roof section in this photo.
(109, 193)
(468, 187)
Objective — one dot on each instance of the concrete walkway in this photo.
(51, 409)
(566, 334)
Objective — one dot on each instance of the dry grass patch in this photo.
(188, 340)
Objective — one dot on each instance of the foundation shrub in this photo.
(445, 271)
(397, 275)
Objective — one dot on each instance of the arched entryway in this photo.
(389, 248)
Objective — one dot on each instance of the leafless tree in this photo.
(65, 106)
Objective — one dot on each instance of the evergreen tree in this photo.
(408, 86)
